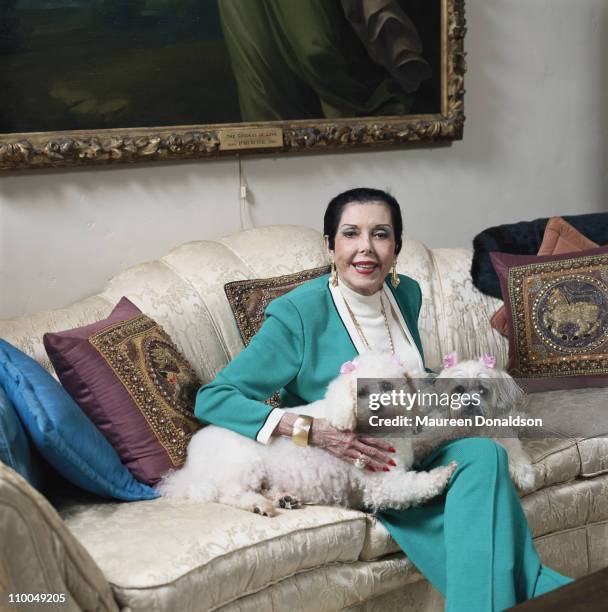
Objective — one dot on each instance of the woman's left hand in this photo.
(349, 446)
(377, 443)
(386, 449)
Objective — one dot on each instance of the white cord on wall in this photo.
(244, 201)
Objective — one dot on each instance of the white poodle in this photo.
(223, 466)
(500, 396)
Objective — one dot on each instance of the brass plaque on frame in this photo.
(250, 138)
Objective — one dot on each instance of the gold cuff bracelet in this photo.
(301, 429)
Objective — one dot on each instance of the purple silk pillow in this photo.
(130, 379)
(558, 311)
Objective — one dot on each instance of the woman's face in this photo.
(364, 246)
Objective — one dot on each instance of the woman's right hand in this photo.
(347, 445)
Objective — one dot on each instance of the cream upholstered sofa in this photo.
(179, 555)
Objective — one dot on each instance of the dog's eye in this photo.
(481, 390)
(386, 386)
(363, 392)
(459, 389)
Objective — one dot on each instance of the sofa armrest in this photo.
(38, 554)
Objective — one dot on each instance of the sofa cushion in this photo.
(575, 552)
(378, 541)
(133, 383)
(206, 555)
(567, 506)
(558, 306)
(212, 552)
(579, 417)
(593, 454)
(390, 584)
(60, 431)
(560, 237)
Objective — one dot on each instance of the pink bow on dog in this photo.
(348, 367)
(449, 361)
(488, 360)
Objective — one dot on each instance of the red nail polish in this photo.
(392, 449)
(371, 469)
(391, 462)
(385, 469)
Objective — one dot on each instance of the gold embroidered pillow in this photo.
(558, 309)
(129, 378)
(559, 237)
(248, 300)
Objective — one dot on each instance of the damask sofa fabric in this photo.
(130, 379)
(61, 432)
(205, 557)
(38, 554)
(462, 314)
(202, 556)
(524, 238)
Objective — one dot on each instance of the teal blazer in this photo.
(298, 350)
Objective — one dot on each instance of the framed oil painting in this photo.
(110, 81)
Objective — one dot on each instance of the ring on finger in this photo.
(361, 461)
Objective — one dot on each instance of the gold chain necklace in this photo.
(360, 331)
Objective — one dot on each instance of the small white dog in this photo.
(500, 396)
(223, 466)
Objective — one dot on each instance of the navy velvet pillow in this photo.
(524, 238)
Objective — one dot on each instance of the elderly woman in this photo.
(473, 544)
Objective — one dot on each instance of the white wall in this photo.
(534, 145)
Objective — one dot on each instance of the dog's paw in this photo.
(523, 476)
(434, 482)
(289, 502)
(264, 508)
(450, 468)
(444, 473)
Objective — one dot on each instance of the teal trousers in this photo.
(473, 544)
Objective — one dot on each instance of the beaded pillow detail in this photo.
(559, 237)
(249, 299)
(130, 379)
(558, 308)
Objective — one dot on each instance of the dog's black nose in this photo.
(471, 411)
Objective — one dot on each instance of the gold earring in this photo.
(333, 278)
(395, 280)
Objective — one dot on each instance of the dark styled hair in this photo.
(361, 195)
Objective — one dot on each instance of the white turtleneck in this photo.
(368, 312)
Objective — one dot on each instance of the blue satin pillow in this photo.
(62, 433)
(14, 447)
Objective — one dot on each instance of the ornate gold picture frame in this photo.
(87, 82)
